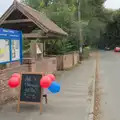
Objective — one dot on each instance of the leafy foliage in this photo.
(62, 12)
(111, 36)
(94, 18)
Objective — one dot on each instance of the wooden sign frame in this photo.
(22, 102)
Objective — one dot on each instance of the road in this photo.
(109, 75)
(69, 104)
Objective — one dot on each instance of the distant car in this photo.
(117, 49)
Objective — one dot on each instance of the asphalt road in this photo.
(110, 85)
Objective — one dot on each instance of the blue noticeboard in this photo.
(10, 46)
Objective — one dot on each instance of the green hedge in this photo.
(86, 52)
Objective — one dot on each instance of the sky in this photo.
(114, 4)
(4, 4)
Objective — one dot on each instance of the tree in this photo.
(98, 17)
(64, 13)
(111, 36)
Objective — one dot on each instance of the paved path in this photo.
(110, 85)
(70, 104)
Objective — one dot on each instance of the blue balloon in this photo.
(54, 88)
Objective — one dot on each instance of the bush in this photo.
(86, 52)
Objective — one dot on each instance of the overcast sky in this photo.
(114, 4)
(4, 4)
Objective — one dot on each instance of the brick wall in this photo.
(76, 57)
(59, 62)
(6, 93)
(47, 65)
(67, 61)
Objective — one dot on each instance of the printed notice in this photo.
(15, 50)
(4, 50)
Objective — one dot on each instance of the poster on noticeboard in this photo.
(4, 50)
(15, 50)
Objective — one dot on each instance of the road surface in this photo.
(110, 85)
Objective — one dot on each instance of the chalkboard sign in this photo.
(30, 90)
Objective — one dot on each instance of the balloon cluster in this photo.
(14, 81)
(49, 82)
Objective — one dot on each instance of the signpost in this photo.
(30, 90)
(10, 46)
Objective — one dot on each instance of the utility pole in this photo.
(80, 32)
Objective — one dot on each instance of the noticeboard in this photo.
(10, 46)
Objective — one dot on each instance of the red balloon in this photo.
(51, 76)
(16, 75)
(13, 82)
(45, 82)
